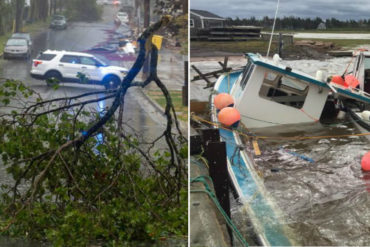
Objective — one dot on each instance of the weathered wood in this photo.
(210, 135)
(185, 95)
(224, 64)
(213, 73)
(198, 107)
(341, 53)
(201, 76)
(216, 156)
(195, 145)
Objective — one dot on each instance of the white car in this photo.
(122, 17)
(17, 48)
(66, 66)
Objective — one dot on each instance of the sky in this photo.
(326, 9)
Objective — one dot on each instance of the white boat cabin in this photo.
(268, 94)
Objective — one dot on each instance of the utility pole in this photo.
(146, 24)
(146, 13)
(185, 6)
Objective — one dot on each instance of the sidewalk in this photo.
(171, 68)
(171, 72)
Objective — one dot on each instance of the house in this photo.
(321, 26)
(201, 19)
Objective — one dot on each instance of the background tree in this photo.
(297, 23)
(19, 7)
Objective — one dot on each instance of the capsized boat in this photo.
(267, 93)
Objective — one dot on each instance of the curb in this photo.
(183, 125)
(152, 102)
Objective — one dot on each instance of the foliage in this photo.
(113, 196)
(172, 7)
(178, 28)
(297, 23)
(6, 17)
(79, 177)
(83, 10)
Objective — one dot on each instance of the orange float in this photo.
(229, 117)
(223, 100)
(365, 162)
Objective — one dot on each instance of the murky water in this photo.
(317, 183)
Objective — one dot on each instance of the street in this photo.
(139, 113)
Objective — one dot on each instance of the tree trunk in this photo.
(35, 10)
(44, 9)
(60, 5)
(55, 6)
(19, 6)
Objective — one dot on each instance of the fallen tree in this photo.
(79, 177)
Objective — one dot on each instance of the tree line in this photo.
(17, 12)
(294, 23)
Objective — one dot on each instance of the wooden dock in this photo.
(341, 53)
(229, 33)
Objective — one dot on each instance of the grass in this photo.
(176, 96)
(28, 28)
(260, 46)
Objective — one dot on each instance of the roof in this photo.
(205, 14)
(69, 53)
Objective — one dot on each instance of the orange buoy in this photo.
(351, 81)
(223, 100)
(365, 162)
(337, 79)
(229, 117)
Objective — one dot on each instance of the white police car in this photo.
(66, 66)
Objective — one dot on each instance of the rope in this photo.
(308, 115)
(292, 138)
(202, 179)
(353, 56)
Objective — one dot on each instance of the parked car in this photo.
(126, 47)
(121, 17)
(58, 22)
(25, 36)
(17, 48)
(65, 66)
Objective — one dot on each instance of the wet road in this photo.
(138, 112)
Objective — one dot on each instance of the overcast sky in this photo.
(340, 9)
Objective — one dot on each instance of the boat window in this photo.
(191, 22)
(284, 89)
(367, 63)
(246, 74)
